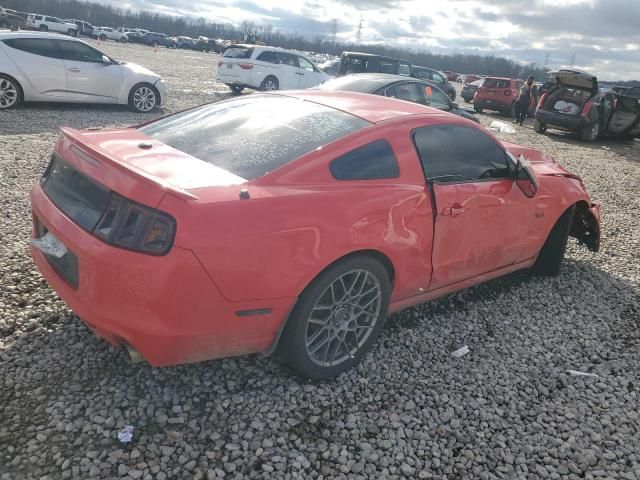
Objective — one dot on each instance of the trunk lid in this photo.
(575, 79)
(139, 167)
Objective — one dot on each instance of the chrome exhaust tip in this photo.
(132, 353)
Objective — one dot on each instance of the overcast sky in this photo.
(602, 36)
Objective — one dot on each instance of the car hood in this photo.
(540, 162)
(575, 78)
(136, 69)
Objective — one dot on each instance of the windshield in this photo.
(252, 136)
(351, 83)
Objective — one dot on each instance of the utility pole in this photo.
(334, 30)
(359, 31)
(546, 60)
(573, 59)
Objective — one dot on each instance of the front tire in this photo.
(72, 32)
(337, 318)
(103, 38)
(550, 257)
(269, 83)
(539, 127)
(144, 98)
(44, 28)
(10, 94)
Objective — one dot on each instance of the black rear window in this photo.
(495, 83)
(252, 136)
(238, 52)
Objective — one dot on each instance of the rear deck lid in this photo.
(575, 79)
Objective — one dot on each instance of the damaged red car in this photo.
(292, 222)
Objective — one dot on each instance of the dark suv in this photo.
(154, 39)
(354, 62)
(435, 77)
(576, 104)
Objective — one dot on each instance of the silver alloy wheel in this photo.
(343, 318)
(595, 129)
(270, 84)
(8, 93)
(144, 99)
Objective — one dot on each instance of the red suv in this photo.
(497, 94)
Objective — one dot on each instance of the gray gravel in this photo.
(508, 409)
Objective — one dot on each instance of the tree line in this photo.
(113, 16)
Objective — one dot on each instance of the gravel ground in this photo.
(508, 409)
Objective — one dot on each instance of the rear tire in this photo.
(154, 44)
(550, 257)
(72, 32)
(43, 28)
(103, 38)
(353, 295)
(269, 83)
(539, 127)
(477, 109)
(511, 111)
(236, 90)
(590, 132)
(10, 92)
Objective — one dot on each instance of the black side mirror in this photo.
(525, 180)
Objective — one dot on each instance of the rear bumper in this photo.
(238, 81)
(491, 104)
(562, 120)
(166, 307)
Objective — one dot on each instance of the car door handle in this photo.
(453, 211)
(298, 73)
(73, 69)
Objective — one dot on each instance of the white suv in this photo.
(46, 67)
(104, 33)
(51, 24)
(267, 68)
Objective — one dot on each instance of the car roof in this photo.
(500, 78)
(372, 108)
(23, 34)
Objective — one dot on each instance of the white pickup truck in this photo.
(51, 24)
(108, 33)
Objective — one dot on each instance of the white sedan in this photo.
(46, 67)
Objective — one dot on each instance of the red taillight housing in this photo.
(543, 99)
(586, 108)
(133, 226)
(246, 66)
(507, 93)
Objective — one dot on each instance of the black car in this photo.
(469, 90)
(355, 62)
(435, 77)
(155, 39)
(576, 104)
(404, 88)
(205, 44)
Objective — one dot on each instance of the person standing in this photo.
(526, 98)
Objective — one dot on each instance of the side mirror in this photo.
(525, 179)
(106, 60)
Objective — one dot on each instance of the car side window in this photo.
(404, 69)
(375, 160)
(269, 57)
(435, 98)
(79, 52)
(37, 46)
(287, 59)
(437, 78)
(388, 66)
(305, 64)
(405, 91)
(453, 153)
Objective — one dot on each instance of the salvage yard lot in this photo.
(508, 409)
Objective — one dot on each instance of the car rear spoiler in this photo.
(88, 148)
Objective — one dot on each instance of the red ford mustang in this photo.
(293, 221)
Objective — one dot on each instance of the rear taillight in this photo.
(507, 93)
(128, 224)
(246, 66)
(586, 108)
(543, 99)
